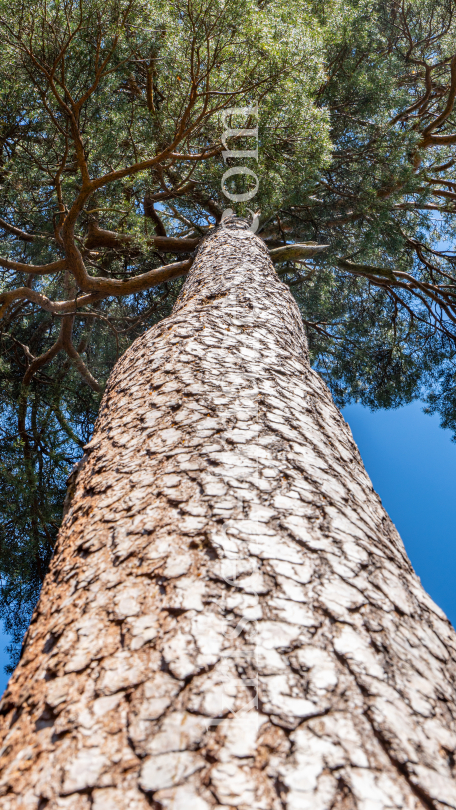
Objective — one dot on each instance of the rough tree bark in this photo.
(230, 619)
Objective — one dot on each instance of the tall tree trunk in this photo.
(230, 619)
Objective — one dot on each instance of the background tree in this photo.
(111, 152)
(386, 207)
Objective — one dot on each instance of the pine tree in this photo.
(114, 128)
(230, 619)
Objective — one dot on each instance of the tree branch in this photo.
(26, 237)
(296, 252)
(101, 288)
(99, 238)
(36, 269)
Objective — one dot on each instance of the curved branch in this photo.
(150, 212)
(64, 424)
(17, 342)
(296, 252)
(26, 237)
(208, 205)
(56, 307)
(64, 342)
(417, 104)
(170, 194)
(437, 140)
(98, 288)
(449, 195)
(79, 363)
(199, 156)
(43, 359)
(383, 277)
(103, 288)
(367, 270)
(36, 269)
(99, 238)
(112, 286)
(449, 105)
(34, 366)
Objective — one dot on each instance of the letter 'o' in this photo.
(247, 194)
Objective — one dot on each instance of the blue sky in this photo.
(412, 464)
